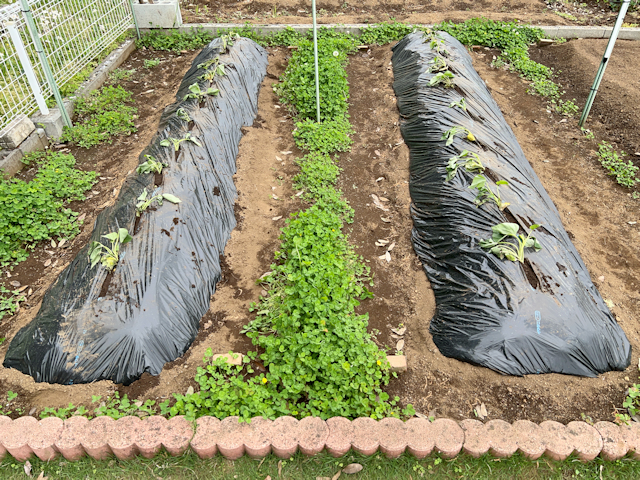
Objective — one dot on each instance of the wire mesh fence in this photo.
(73, 34)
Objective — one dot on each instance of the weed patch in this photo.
(624, 172)
(101, 115)
(34, 211)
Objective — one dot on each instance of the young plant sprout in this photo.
(109, 256)
(438, 64)
(457, 130)
(502, 248)
(228, 39)
(167, 142)
(214, 68)
(150, 166)
(470, 161)
(461, 104)
(444, 78)
(485, 194)
(197, 93)
(182, 114)
(145, 201)
(437, 44)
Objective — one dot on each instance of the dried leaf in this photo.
(400, 345)
(299, 193)
(286, 153)
(399, 331)
(378, 203)
(30, 292)
(42, 477)
(384, 242)
(337, 475)
(82, 217)
(22, 288)
(278, 158)
(264, 275)
(422, 415)
(27, 467)
(387, 257)
(352, 468)
(47, 262)
(391, 246)
(383, 199)
(276, 218)
(189, 391)
(53, 243)
(379, 179)
(385, 220)
(377, 152)
(481, 411)
(279, 468)
(378, 244)
(275, 197)
(50, 252)
(383, 257)
(62, 242)
(15, 283)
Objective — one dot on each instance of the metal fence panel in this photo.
(73, 33)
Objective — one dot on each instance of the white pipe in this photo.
(28, 68)
(315, 58)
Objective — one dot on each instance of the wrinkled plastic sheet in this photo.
(488, 312)
(161, 287)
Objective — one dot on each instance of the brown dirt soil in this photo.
(595, 211)
(367, 11)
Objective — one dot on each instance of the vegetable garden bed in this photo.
(374, 181)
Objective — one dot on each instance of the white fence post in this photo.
(28, 68)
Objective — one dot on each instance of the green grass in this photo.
(302, 467)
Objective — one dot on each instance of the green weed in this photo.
(327, 136)
(121, 74)
(625, 172)
(35, 210)
(101, 116)
(151, 62)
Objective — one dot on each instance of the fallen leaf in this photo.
(377, 152)
(387, 257)
(377, 203)
(276, 106)
(379, 179)
(29, 292)
(399, 331)
(382, 241)
(323, 478)
(189, 391)
(601, 278)
(82, 217)
(47, 262)
(400, 345)
(53, 243)
(632, 223)
(383, 257)
(481, 411)
(50, 252)
(268, 477)
(32, 411)
(27, 467)
(62, 242)
(276, 218)
(264, 275)
(15, 283)
(278, 158)
(352, 468)
(382, 199)
(337, 475)
(279, 468)
(286, 153)
(299, 193)
(22, 288)
(385, 220)
(391, 246)
(378, 244)
(422, 415)
(275, 197)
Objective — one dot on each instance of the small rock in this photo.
(276, 218)
(601, 278)
(15, 283)
(189, 391)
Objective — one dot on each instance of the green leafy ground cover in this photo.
(37, 210)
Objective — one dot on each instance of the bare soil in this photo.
(538, 12)
(593, 208)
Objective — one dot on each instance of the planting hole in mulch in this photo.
(594, 210)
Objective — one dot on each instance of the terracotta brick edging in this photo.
(103, 437)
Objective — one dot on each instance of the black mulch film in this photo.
(541, 316)
(160, 289)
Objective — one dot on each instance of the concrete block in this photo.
(365, 436)
(420, 441)
(392, 433)
(160, 14)
(448, 437)
(613, 439)
(587, 441)
(205, 441)
(33, 143)
(257, 437)
(558, 443)
(150, 434)
(398, 363)
(529, 438)
(14, 134)
(12, 163)
(43, 437)
(69, 443)
(178, 433)
(5, 423)
(232, 358)
(503, 442)
(15, 440)
(340, 436)
(231, 438)
(313, 435)
(284, 436)
(476, 441)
